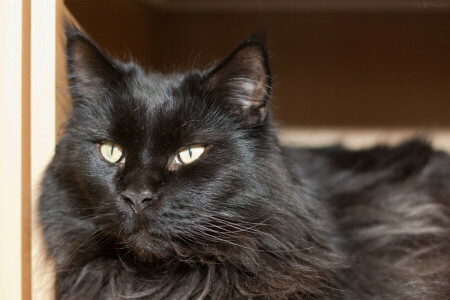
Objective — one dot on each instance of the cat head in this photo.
(170, 164)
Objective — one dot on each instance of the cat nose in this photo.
(138, 200)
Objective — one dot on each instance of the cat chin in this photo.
(148, 246)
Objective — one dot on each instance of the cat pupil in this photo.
(112, 150)
(190, 152)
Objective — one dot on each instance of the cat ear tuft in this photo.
(243, 79)
(89, 69)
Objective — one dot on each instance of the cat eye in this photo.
(113, 153)
(188, 154)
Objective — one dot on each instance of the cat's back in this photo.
(391, 206)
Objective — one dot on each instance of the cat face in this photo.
(169, 163)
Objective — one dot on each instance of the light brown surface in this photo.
(355, 138)
(26, 150)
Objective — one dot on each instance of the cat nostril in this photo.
(147, 200)
(131, 203)
(128, 200)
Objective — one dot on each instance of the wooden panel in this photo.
(297, 5)
(26, 150)
(10, 150)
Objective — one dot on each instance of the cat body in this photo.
(391, 206)
(248, 219)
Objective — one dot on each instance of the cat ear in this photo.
(90, 70)
(243, 79)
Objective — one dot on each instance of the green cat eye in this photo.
(189, 154)
(111, 152)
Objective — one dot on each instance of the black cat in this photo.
(175, 187)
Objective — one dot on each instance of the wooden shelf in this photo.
(299, 5)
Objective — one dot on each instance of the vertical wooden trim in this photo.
(43, 20)
(26, 151)
(10, 150)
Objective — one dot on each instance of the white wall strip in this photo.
(10, 148)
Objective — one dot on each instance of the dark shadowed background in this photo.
(335, 63)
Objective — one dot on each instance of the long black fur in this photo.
(250, 219)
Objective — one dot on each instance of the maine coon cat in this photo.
(175, 187)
